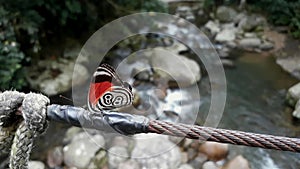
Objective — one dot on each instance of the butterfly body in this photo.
(107, 91)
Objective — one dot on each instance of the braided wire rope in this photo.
(225, 136)
(22, 119)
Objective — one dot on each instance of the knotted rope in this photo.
(23, 117)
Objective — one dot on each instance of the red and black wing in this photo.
(107, 90)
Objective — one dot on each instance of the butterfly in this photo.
(107, 91)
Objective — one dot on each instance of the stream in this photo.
(256, 91)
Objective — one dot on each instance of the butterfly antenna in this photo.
(70, 100)
(66, 98)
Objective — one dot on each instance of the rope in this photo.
(22, 119)
(225, 136)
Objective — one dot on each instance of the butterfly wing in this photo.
(107, 90)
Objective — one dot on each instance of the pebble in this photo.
(156, 151)
(81, 150)
(198, 161)
(120, 141)
(238, 162)
(36, 165)
(214, 151)
(186, 166)
(210, 165)
(117, 155)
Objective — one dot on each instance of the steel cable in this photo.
(225, 136)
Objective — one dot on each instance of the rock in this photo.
(293, 94)
(55, 157)
(250, 43)
(177, 47)
(238, 162)
(210, 165)
(296, 112)
(213, 27)
(227, 63)
(174, 68)
(70, 134)
(238, 18)
(185, 12)
(223, 54)
(214, 151)
(185, 166)
(120, 141)
(56, 76)
(156, 151)
(81, 150)
(36, 165)
(266, 46)
(291, 65)
(225, 14)
(226, 35)
(231, 44)
(228, 25)
(198, 161)
(249, 23)
(249, 35)
(117, 155)
(129, 164)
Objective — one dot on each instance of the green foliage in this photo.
(25, 24)
(282, 12)
(10, 54)
(141, 6)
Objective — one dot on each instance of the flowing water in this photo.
(256, 91)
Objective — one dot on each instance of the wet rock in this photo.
(238, 162)
(251, 22)
(156, 151)
(117, 155)
(227, 63)
(231, 44)
(186, 166)
(57, 76)
(129, 164)
(249, 35)
(213, 27)
(267, 46)
(293, 94)
(223, 54)
(36, 165)
(291, 65)
(214, 151)
(82, 149)
(210, 165)
(296, 112)
(55, 157)
(250, 43)
(198, 161)
(174, 68)
(226, 35)
(225, 14)
(185, 12)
